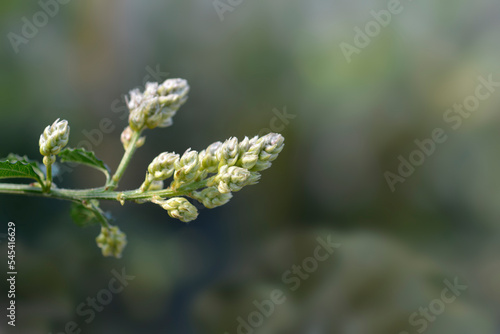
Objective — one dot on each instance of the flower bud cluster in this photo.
(112, 241)
(229, 166)
(211, 198)
(258, 153)
(178, 208)
(156, 106)
(54, 138)
(232, 179)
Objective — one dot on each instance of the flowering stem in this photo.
(127, 156)
(98, 193)
(48, 161)
(49, 176)
(99, 215)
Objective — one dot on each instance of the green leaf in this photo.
(81, 156)
(19, 169)
(82, 216)
(39, 167)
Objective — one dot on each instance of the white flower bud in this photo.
(250, 157)
(231, 179)
(254, 178)
(54, 138)
(208, 157)
(243, 146)
(126, 136)
(228, 152)
(211, 197)
(261, 151)
(187, 167)
(112, 241)
(273, 144)
(162, 167)
(179, 208)
(158, 104)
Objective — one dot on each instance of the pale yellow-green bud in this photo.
(126, 136)
(228, 152)
(163, 166)
(156, 185)
(112, 241)
(54, 138)
(211, 197)
(208, 158)
(249, 152)
(186, 168)
(273, 145)
(156, 106)
(243, 146)
(254, 178)
(261, 152)
(179, 208)
(231, 179)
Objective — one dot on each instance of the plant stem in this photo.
(127, 156)
(99, 215)
(48, 161)
(49, 176)
(97, 193)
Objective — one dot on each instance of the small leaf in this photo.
(39, 167)
(82, 216)
(81, 156)
(20, 169)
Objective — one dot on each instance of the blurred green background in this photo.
(348, 124)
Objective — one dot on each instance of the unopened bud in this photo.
(156, 106)
(179, 208)
(211, 197)
(228, 153)
(231, 179)
(186, 168)
(162, 167)
(126, 136)
(54, 138)
(208, 157)
(112, 241)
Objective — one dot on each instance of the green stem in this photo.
(49, 176)
(127, 156)
(99, 215)
(98, 193)
(48, 161)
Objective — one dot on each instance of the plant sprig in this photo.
(209, 176)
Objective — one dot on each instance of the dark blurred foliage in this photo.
(351, 123)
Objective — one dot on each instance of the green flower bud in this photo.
(261, 152)
(228, 152)
(179, 208)
(186, 168)
(156, 185)
(231, 179)
(208, 157)
(254, 178)
(162, 167)
(243, 146)
(112, 241)
(54, 138)
(211, 197)
(273, 144)
(157, 105)
(126, 136)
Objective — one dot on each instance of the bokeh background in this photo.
(348, 124)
